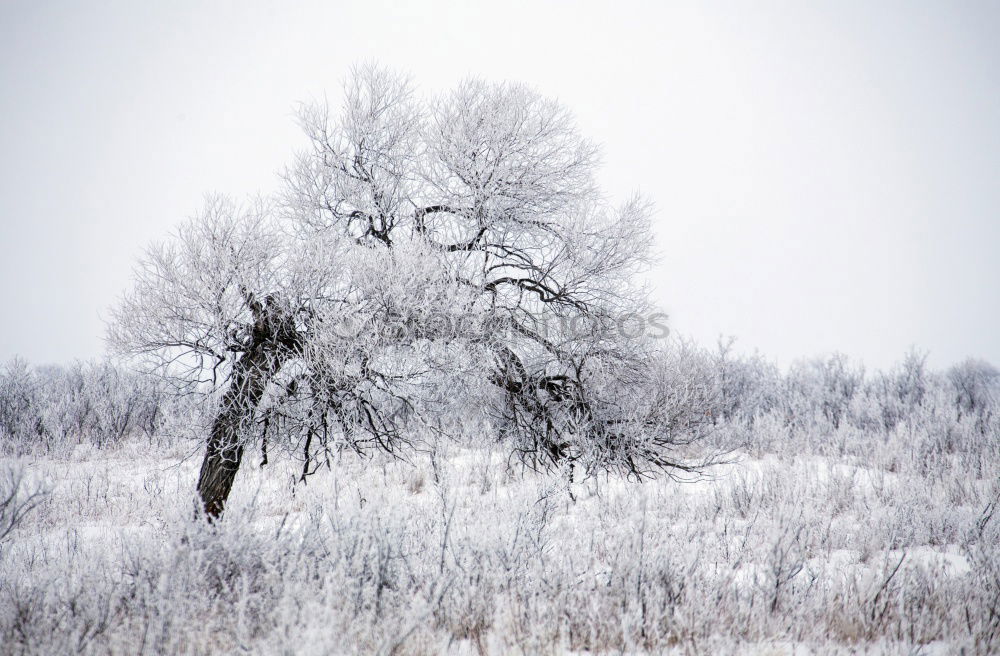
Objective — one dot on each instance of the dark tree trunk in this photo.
(272, 342)
(225, 442)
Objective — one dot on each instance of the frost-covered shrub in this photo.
(17, 499)
(977, 391)
(823, 389)
(20, 404)
(894, 396)
(749, 385)
(53, 408)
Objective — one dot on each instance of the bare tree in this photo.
(418, 248)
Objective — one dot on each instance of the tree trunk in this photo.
(271, 344)
(225, 443)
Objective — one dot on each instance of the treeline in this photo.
(52, 408)
(835, 393)
(908, 418)
(828, 406)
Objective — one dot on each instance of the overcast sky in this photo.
(827, 177)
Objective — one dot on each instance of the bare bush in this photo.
(17, 499)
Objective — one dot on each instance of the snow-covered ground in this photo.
(796, 553)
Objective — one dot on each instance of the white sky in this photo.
(827, 177)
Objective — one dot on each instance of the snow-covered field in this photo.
(788, 550)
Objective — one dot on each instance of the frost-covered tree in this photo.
(427, 261)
